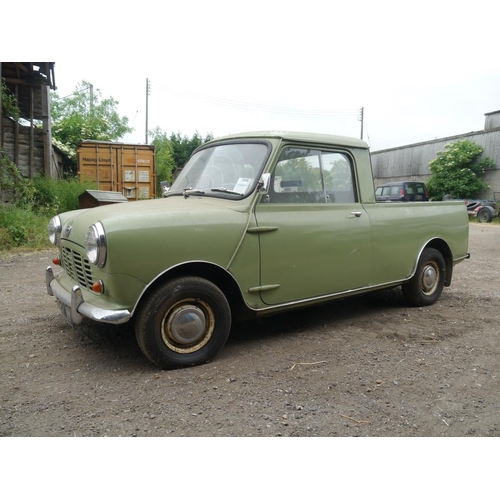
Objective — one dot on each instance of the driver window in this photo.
(297, 177)
(311, 176)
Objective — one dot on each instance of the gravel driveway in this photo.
(367, 366)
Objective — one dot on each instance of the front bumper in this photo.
(74, 307)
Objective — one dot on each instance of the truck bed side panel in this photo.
(401, 230)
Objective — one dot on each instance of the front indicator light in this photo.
(98, 287)
(56, 261)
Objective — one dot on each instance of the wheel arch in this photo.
(445, 250)
(209, 271)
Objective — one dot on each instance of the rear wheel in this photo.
(184, 322)
(484, 215)
(426, 285)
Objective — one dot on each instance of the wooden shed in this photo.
(27, 140)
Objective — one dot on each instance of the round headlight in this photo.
(54, 229)
(95, 244)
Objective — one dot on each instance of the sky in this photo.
(419, 71)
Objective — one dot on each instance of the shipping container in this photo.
(129, 169)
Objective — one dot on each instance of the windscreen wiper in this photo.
(225, 190)
(189, 191)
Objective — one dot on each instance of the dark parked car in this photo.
(402, 191)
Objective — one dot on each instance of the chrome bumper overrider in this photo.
(74, 307)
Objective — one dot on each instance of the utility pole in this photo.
(148, 91)
(361, 113)
(91, 107)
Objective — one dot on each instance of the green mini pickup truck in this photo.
(255, 223)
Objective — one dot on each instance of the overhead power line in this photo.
(347, 113)
(79, 91)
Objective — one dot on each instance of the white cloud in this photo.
(421, 70)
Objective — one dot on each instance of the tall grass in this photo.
(22, 229)
(32, 203)
(57, 196)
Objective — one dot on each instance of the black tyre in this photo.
(426, 285)
(184, 322)
(484, 215)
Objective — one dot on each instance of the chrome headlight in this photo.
(95, 244)
(54, 229)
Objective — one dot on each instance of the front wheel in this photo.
(184, 322)
(426, 285)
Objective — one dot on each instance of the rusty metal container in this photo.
(129, 169)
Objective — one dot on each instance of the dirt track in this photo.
(360, 367)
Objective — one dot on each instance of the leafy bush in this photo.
(56, 196)
(9, 102)
(14, 187)
(456, 170)
(30, 205)
(22, 228)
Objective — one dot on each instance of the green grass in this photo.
(23, 221)
(22, 229)
(57, 196)
(474, 220)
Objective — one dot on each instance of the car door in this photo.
(314, 233)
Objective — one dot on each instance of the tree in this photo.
(173, 152)
(165, 164)
(456, 170)
(183, 146)
(84, 115)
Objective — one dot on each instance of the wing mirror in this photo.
(264, 183)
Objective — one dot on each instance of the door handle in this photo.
(357, 214)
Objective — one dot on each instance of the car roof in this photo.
(297, 136)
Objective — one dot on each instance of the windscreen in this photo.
(233, 168)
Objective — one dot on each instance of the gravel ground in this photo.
(367, 366)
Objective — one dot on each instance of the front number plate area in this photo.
(66, 312)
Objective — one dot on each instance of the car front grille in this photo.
(77, 267)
